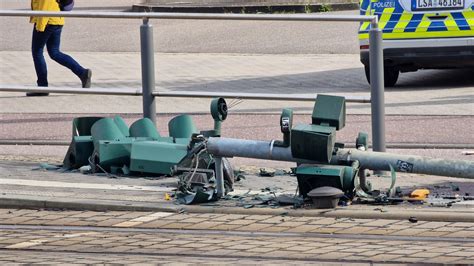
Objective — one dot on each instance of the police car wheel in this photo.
(390, 75)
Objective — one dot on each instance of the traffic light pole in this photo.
(148, 70)
(377, 88)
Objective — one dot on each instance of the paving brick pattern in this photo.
(250, 223)
(227, 245)
(296, 238)
(71, 258)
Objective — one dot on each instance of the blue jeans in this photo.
(51, 38)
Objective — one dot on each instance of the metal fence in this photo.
(148, 70)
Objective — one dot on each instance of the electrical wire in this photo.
(234, 103)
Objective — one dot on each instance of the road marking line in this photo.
(127, 224)
(36, 242)
(76, 235)
(28, 244)
(144, 219)
(152, 216)
(37, 183)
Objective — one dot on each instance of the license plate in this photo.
(437, 4)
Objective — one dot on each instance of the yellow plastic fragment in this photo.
(420, 194)
(167, 196)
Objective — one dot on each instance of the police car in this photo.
(420, 34)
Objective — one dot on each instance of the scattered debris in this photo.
(467, 152)
(239, 175)
(454, 187)
(200, 196)
(437, 202)
(48, 167)
(419, 194)
(270, 189)
(267, 172)
(86, 169)
(266, 197)
(295, 201)
(270, 172)
(468, 197)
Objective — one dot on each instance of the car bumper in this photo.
(410, 55)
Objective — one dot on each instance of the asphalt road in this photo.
(185, 36)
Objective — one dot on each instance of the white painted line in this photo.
(36, 242)
(127, 224)
(76, 235)
(151, 217)
(37, 183)
(28, 244)
(144, 219)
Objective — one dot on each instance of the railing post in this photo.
(377, 87)
(148, 70)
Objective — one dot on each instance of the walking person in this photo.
(47, 32)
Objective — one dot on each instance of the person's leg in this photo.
(53, 45)
(38, 42)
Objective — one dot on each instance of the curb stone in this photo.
(68, 204)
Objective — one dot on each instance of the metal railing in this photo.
(148, 70)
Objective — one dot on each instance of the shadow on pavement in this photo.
(435, 79)
(344, 80)
(339, 81)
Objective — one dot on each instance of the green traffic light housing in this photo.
(316, 141)
(329, 111)
(219, 109)
(286, 123)
(219, 113)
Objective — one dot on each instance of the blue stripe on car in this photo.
(394, 18)
(437, 26)
(363, 8)
(461, 21)
(414, 22)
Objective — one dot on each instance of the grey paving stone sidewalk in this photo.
(278, 74)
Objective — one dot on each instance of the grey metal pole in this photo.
(172, 15)
(377, 88)
(219, 176)
(253, 96)
(407, 163)
(226, 147)
(148, 70)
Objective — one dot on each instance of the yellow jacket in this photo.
(45, 5)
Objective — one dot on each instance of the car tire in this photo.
(390, 75)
